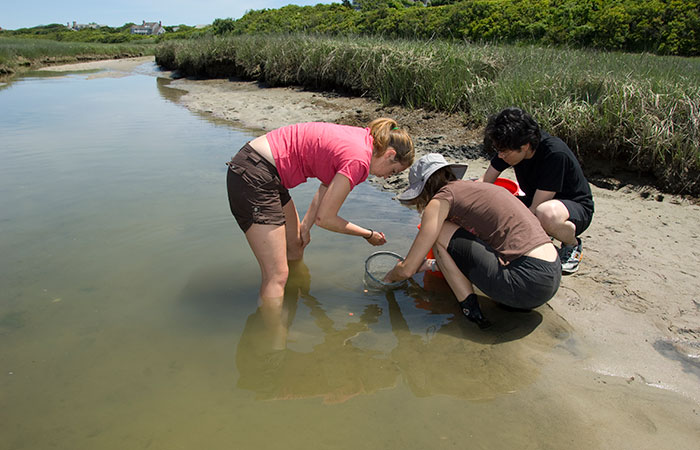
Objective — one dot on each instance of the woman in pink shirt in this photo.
(340, 156)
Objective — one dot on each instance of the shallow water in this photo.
(129, 318)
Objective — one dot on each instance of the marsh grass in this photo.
(638, 109)
(19, 53)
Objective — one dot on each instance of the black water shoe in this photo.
(470, 308)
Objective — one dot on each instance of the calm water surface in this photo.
(128, 311)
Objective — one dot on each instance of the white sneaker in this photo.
(570, 257)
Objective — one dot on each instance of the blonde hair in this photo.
(386, 133)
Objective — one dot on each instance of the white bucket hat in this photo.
(421, 171)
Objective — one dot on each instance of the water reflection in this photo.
(168, 92)
(335, 370)
(447, 364)
(447, 356)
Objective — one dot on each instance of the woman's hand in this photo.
(377, 238)
(398, 273)
(304, 235)
(391, 276)
(428, 265)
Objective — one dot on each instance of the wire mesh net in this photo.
(377, 265)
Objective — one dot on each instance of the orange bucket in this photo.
(511, 185)
(430, 255)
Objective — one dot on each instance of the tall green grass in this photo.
(639, 109)
(18, 53)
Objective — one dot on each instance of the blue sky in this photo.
(30, 13)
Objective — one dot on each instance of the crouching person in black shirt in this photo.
(549, 174)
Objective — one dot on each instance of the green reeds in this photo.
(638, 109)
(17, 53)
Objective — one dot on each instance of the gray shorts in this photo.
(525, 283)
(255, 191)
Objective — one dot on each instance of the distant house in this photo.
(82, 26)
(148, 28)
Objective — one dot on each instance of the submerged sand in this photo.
(634, 301)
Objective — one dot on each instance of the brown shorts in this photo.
(255, 191)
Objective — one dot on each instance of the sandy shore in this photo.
(634, 300)
(102, 68)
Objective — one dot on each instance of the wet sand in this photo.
(634, 302)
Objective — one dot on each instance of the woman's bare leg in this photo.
(460, 285)
(269, 245)
(295, 251)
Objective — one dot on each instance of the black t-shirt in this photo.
(554, 168)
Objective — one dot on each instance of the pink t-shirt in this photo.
(321, 150)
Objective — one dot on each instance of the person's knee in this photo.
(549, 215)
(276, 276)
(282, 275)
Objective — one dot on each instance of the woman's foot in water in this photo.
(471, 310)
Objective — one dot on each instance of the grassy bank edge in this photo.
(641, 112)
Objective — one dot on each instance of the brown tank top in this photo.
(495, 216)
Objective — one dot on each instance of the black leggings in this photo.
(525, 283)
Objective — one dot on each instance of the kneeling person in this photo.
(549, 174)
(482, 236)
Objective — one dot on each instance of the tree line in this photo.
(100, 34)
(665, 27)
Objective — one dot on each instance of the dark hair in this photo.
(434, 183)
(511, 129)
